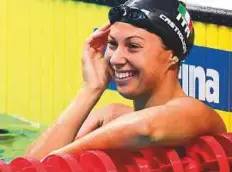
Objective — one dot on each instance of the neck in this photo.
(168, 90)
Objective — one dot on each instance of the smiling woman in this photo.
(145, 73)
(147, 40)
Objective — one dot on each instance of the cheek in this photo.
(152, 72)
(150, 63)
(152, 69)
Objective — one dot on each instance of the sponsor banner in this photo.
(223, 4)
(205, 75)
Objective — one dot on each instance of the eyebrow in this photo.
(129, 37)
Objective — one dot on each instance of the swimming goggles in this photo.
(138, 17)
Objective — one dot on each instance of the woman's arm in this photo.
(173, 124)
(96, 76)
(102, 117)
(64, 130)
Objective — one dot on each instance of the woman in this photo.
(147, 40)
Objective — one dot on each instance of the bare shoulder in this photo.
(182, 119)
(195, 109)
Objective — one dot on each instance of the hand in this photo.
(96, 70)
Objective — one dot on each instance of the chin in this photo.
(127, 94)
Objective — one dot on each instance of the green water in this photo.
(15, 137)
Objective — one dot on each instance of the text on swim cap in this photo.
(184, 24)
(176, 29)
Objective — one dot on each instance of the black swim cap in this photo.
(167, 18)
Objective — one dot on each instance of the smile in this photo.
(124, 75)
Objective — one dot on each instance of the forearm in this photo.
(64, 130)
(118, 134)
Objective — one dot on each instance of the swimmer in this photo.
(146, 42)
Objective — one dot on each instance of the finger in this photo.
(98, 35)
(99, 31)
(98, 43)
(111, 71)
(110, 68)
(88, 53)
(101, 38)
(104, 27)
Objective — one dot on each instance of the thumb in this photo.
(111, 71)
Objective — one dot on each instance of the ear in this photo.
(173, 60)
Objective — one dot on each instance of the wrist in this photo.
(98, 91)
(92, 93)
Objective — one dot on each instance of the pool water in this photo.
(15, 136)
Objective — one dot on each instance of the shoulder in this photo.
(182, 119)
(191, 106)
(194, 109)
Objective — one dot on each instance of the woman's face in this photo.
(138, 58)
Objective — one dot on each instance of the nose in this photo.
(118, 58)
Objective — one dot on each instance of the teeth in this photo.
(124, 74)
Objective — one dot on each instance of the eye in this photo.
(112, 44)
(133, 46)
